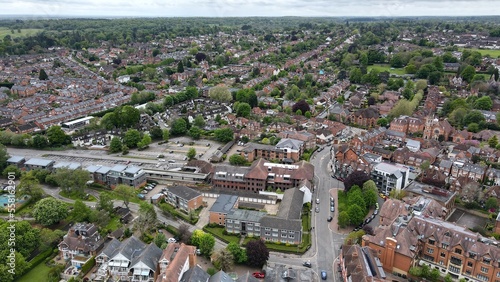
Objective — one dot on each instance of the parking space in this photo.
(463, 218)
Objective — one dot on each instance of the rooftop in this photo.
(224, 203)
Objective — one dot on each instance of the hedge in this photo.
(172, 230)
(39, 258)
(87, 266)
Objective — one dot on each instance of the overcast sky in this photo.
(231, 8)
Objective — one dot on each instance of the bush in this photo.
(41, 257)
(211, 271)
(172, 230)
(87, 266)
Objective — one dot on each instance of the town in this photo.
(250, 149)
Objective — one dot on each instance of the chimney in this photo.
(192, 260)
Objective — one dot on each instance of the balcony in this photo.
(455, 261)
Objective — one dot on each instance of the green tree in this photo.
(80, 212)
(105, 203)
(57, 137)
(382, 122)
(11, 170)
(206, 244)
(125, 193)
(356, 214)
(483, 103)
(156, 132)
(473, 117)
(199, 121)
(4, 156)
(257, 253)
(493, 142)
(166, 134)
(72, 180)
(243, 110)
(237, 159)
(354, 237)
(491, 203)
(468, 73)
(191, 153)
(42, 75)
(425, 165)
(115, 145)
(132, 138)
(239, 254)
(40, 141)
(343, 219)
(195, 132)
(147, 217)
(180, 67)
(370, 194)
(178, 127)
(224, 134)
(223, 259)
(220, 93)
(307, 114)
(160, 240)
(49, 211)
(145, 141)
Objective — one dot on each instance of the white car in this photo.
(161, 160)
(171, 240)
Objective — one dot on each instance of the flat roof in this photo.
(224, 203)
(39, 162)
(15, 159)
(68, 165)
(77, 120)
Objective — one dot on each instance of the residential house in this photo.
(80, 244)
(36, 163)
(16, 161)
(184, 198)
(308, 138)
(444, 197)
(177, 262)
(390, 177)
(195, 274)
(366, 117)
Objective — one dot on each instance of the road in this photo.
(325, 239)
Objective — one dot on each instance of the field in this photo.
(24, 32)
(385, 67)
(484, 52)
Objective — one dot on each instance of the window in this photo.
(469, 263)
(431, 241)
(444, 245)
(443, 254)
(472, 255)
(484, 269)
(487, 260)
(454, 269)
(498, 274)
(458, 251)
(430, 250)
(482, 277)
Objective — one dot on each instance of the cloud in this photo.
(226, 8)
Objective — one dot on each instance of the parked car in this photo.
(307, 264)
(323, 275)
(171, 240)
(375, 212)
(259, 275)
(332, 208)
(317, 209)
(317, 201)
(329, 219)
(171, 161)
(198, 252)
(161, 160)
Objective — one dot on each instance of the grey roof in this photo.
(184, 192)
(246, 215)
(445, 163)
(395, 133)
(256, 146)
(103, 169)
(68, 165)
(111, 247)
(132, 169)
(119, 168)
(430, 191)
(224, 203)
(289, 143)
(39, 162)
(291, 205)
(149, 256)
(92, 168)
(412, 143)
(281, 223)
(195, 274)
(247, 277)
(232, 173)
(130, 248)
(220, 276)
(15, 159)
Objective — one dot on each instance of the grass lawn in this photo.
(386, 67)
(75, 197)
(39, 273)
(218, 232)
(484, 52)
(114, 223)
(306, 221)
(24, 32)
(342, 201)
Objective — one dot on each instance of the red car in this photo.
(258, 275)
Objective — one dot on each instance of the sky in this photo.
(244, 8)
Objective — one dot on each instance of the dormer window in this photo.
(431, 241)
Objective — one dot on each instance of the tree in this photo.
(132, 138)
(382, 122)
(184, 233)
(105, 203)
(166, 134)
(199, 121)
(357, 177)
(180, 67)
(223, 259)
(425, 165)
(354, 237)
(49, 238)
(11, 170)
(125, 193)
(468, 73)
(224, 134)
(343, 219)
(156, 132)
(40, 141)
(220, 93)
(147, 217)
(145, 141)
(160, 240)
(473, 117)
(243, 110)
(301, 105)
(491, 203)
(204, 241)
(257, 253)
(49, 211)
(483, 103)
(80, 212)
(72, 180)
(42, 75)
(57, 137)
(237, 159)
(115, 145)
(239, 254)
(191, 154)
(493, 142)
(356, 214)
(195, 132)
(178, 127)
(370, 193)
